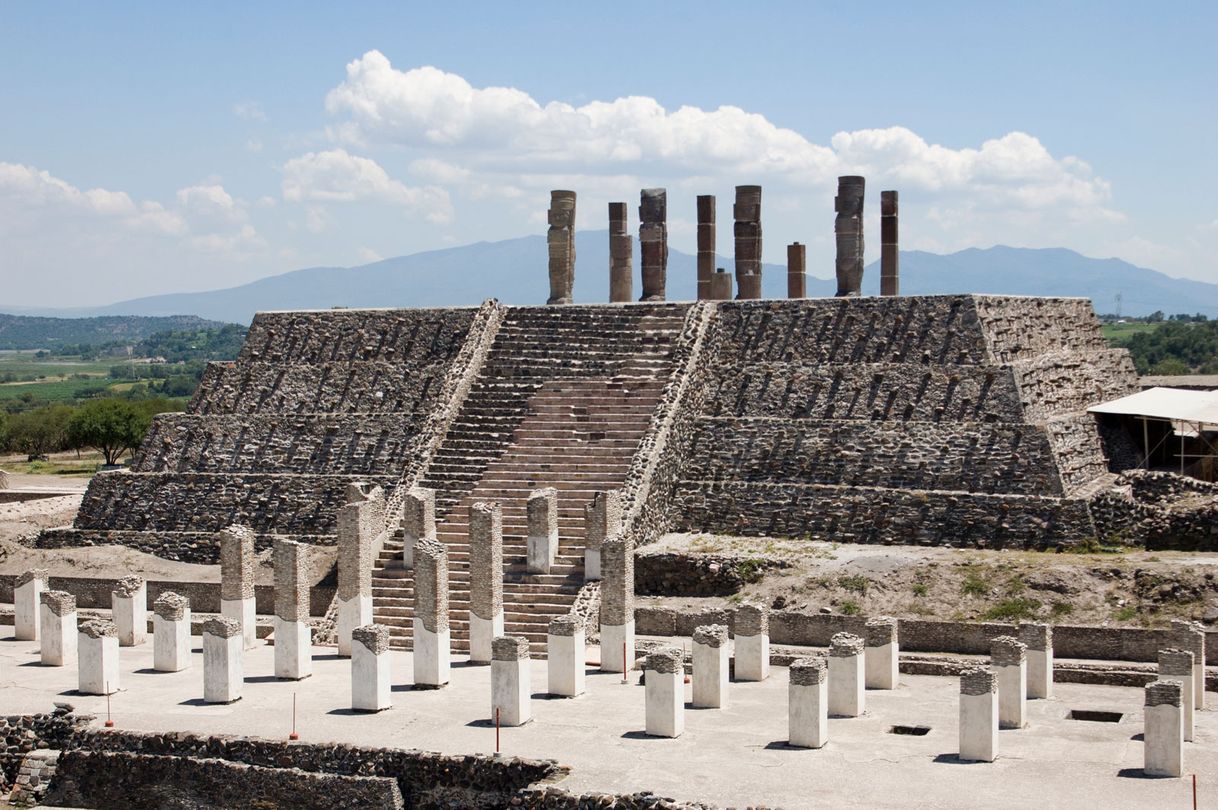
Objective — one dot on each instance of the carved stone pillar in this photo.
(848, 228)
(706, 245)
(889, 255)
(561, 240)
(653, 242)
(621, 273)
(747, 212)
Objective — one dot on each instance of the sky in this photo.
(148, 148)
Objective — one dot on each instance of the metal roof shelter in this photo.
(1190, 413)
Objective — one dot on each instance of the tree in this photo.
(110, 426)
(39, 431)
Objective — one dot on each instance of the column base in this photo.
(26, 605)
(293, 650)
(592, 564)
(481, 633)
(665, 704)
(979, 727)
(432, 656)
(223, 668)
(808, 715)
(847, 697)
(97, 670)
(370, 681)
(245, 612)
(752, 658)
(615, 639)
(57, 638)
(510, 692)
(565, 665)
(710, 688)
(130, 614)
(1163, 741)
(171, 643)
(1040, 674)
(352, 613)
(881, 666)
(1012, 696)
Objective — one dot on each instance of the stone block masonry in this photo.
(1187, 635)
(1008, 658)
(847, 677)
(171, 633)
(27, 597)
(808, 703)
(542, 541)
(890, 257)
(710, 687)
(237, 580)
(747, 231)
(432, 657)
(371, 680)
(57, 628)
(1038, 638)
(653, 242)
(1163, 734)
(752, 642)
(1177, 665)
(293, 635)
(797, 271)
(882, 653)
(418, 520)
(510, 691)
(223, 660)
(602, 518)
(848, 230)
(129, 609)
(485, 579)
(617, 605)
(665, 693)
(97, 666)
(978, 715)
(706, 245)
(565, 656)
(358, 524)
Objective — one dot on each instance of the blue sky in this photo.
(151, 148)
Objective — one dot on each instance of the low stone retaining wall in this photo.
(666, 573)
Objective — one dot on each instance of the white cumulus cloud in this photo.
(336, 176)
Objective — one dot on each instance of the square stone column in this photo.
(293, 636)
(1038, 638)
(664, 672)
(653, 242)
(27, 598)
(721, 285)
(710, 667)
(883, 653)
(1186, 635)
(418, 521)
(1008, 657)
(747, 230)
(617, 605)
(890, 258)
(1177, 665)
(129, 609)
(978, 715)
(706, 244)
(797, 275)
(602, 518)
(510, 682)
(543, 530)
(237, 577)
(223, 664)
(370, 680)
(356, 529)
(808, 703)
(565, 656)
(485, 579)
(621, 268)
(1163, 733)
(97, 658)
(171, 632)
(752, 642)
(57, 628)
(847, 679)
(432, 655)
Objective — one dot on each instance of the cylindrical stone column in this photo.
(848, 230)
(561, 242)
(847, 678)
(432, 651)
(97, 658)
(565, 653)
(602, 518)
(621, 249)
(890, 257)
(710, 667)
(129, 609)
(706, 245)
(542, 543)
(653, 242)
(418, 521)
(485, 579)
(237, 580)
(752, 626)
(747, 212)
(1008, 657)
(223, 660)
(665, 693)
(617, 605)
(1186, 635)
(171, 633)
(293, 636)
(1038, 638)
(808, 703)
(370, 679)
(510, 681)
(1163, 732)
(797, 270)
(721, 285)
(978, 715)
(883, 653)
(1177, 665)
(356, 527)
(27, 599)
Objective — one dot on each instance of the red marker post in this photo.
(293, 735)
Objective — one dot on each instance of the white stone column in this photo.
(752, 626)
(543, 530)
(418, 521)
(432, 655)
(602, 519)
(223, 664)
(129, 610)
(356, 529)
(27, 599)
(171, 632)
(1038, 638)
(711, 659)
(808, 703)
(617, 605)
(978, 715)
(847, 676)
(1008, 657)
(664, 673)
(1177, 665)
(1186, 635)
(293, 636)
(510, 681)
(237, 579)
(1163, 733)
(370, 679)
(565, 656)
(97, 658)
(485, 579)
(57, 628)
(882, 656)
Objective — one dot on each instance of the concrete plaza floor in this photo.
(731, 757)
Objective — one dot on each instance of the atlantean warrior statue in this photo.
(653, 242)
(747, 213)
(561, 239)
(849, 230)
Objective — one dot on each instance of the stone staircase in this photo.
(562, 401)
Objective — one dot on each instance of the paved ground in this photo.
(729, 757)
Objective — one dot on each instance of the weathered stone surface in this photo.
(431, 585)
(752, 619)
(1164, 693)
(621, 247)
(130, 585)
(567, 625)
(711, 635)
(1036, 635)
(1175, 662)
(561, 243)
(706, 245)
(291, 581)
(61, 603)
(978, 682)
(653, 242)
(222, 627)
(602, 517)
(358, 525)
(419, 513)
(32, 574)
(510, 648)
(797, 271)
(844, 645)
(171, 606)
(617, 582)
(101, 628)
(374, 637)
(1006, 651)
(848, 228)
(809, 671)
(747, 231)
(485, 560)
(881, 630)
(665, 661)
(236, 562)
(890, 257)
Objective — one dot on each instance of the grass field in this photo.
(49, 380)
(61, 464)
(1119, 333)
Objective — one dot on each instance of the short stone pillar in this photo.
(57, 628)
(1186, 635)
(710, 667)
(848, 230)
(370, 679)
(1163, 733)
(602, 518)
(171, 632)
(485, 579)
(293, 636)
(223, 664)
(129, 610)
(97, 658)
(978, 715)
(883, 653)
(565, 656)
(237, 578)
(1008, 657)
(706, 245)
(27, 597)
(1038, 638)
(418, 521)
(1177, 665)
(752, 642)
(808, 703)
(432, 656)
(560, 240)
(510, 681)
(664, 671)
(847, 676)
(542, 548)
(617, 605)
(653, 242)
(621, 249)
(721, 285)
(890, 258)
(356, 529)
(797, 270)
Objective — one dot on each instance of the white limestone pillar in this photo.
(664, 671)
(356, 529)
(542, 548)
(1163, 733)
(1186, 635)
(1177, 665)
(752, 626)
(617, 605)
(171, 632)
(97, 658)
(565, 656)
(1038, 638)
(432, 655)
(129, 610)
(237, 579)
(370, 679)
(293, 636)
(223, 664)
(882, 656)
(602, 519)
(485, 579)
(808, 703)
(847, 676)
(1008, 657)
(510, 681)
(57, 628)
(978, 715)
(418, 521)
(27, 601)
(710, 667)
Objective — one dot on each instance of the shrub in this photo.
(920, 589)
(974, 585)
(855, 582)
(850, 608)
(1015, 609)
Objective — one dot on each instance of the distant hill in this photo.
(514, 271)
(35, 332)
